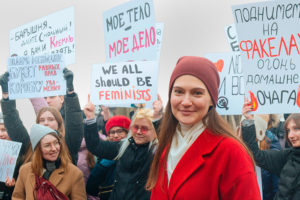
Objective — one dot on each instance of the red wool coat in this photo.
(214, 167)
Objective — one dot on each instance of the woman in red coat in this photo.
(199, 156)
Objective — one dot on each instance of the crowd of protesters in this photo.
(186, 152)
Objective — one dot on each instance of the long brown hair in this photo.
(212, 120)
(57, 116)
(61, 129)
(293, 117)
(37, 158)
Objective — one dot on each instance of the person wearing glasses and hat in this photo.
(101, 179)
(133, 154)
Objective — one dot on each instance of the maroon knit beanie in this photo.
(201, 68)
(118, 120)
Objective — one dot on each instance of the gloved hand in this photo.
(68, 75)
(4, 82)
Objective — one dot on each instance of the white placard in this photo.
(269, 39)
(9, 152)
(38, 76)
(54, 33)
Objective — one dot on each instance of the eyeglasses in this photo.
(143, 129)
(118, 131)
(48, 146)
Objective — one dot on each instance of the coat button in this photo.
(137, 182)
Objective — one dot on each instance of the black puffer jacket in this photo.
(131, 169)
(284, 163)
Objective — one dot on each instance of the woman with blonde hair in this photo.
(50, 174)
(199, 156)
(133, 154)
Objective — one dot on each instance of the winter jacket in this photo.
(276, 162)
(214, 167)
(69, 182)
(82, 164)
(269, 180)
(73, 122)
(131, 169)
(102, 175)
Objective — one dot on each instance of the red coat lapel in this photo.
(193, 159)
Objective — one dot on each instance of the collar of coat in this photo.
(55, 178)
(205, 144)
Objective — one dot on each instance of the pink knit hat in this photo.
(201, 68)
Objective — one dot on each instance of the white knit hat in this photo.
(37, 132)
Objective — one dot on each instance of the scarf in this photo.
(50, 166)
(289, 176)
(181, 142)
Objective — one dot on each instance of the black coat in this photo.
(276, 162)
(131, 169)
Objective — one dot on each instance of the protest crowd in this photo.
(201, 144)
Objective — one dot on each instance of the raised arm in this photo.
(271, 160)
(73, 118)
(12, 122)
(158, 113)
(102, 149)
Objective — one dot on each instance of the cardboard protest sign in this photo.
(231, 89)
(269, 39)
(123, 83)
(9, 152)
(37, 76)
(159, 28)
(54, 33)
(129, 31)
(232, 38)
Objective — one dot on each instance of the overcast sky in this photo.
(191, 27)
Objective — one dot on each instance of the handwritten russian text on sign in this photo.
(232, 38)
(37, 76)
(231, 89)
(54, 33)
(129, 31)
(9, 152)
(123, 83)
(270, 55)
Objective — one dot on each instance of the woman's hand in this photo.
(247, 107)
(4, 84)
(105, 113)
(10, 182)
(157, 108)
(68, 76)
(89, 109)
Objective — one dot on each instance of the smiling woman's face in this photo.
(142, 131)
(50, 147)
(293, 133)
(190, 100)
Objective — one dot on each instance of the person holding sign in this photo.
(133, 154)
(284, 163)
(6, 189)
(50, 174)
(101, 179)
(199, 156)
(71, 128)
